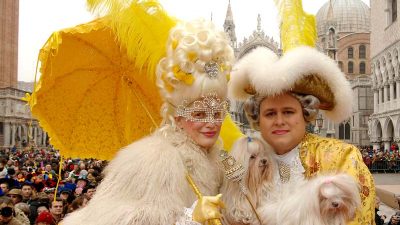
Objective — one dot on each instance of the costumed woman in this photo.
(147, 182)
(283, 94)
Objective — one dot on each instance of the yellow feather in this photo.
(297, 27)
(142, 27)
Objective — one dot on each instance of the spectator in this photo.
(10, 215)
(15, 195)
(43, 207)
(89, 191)
(56, 209)
(27, 192)
(45, 218)
(5, 188)
(77, 203)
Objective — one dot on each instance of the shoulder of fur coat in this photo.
(145, 184)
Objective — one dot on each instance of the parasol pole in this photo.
(140, 101)
(59, 177)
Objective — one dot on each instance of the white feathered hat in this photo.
(302, 69)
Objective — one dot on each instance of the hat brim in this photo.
(302, 70)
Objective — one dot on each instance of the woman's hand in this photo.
(208, 208)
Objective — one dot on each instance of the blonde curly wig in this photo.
(181, 74)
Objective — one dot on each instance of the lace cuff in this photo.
(186, 219)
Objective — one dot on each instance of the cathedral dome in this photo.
(344, 16)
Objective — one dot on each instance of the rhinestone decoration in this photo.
(212, 69)
(210, 109)
(284, 172)
(233, 170)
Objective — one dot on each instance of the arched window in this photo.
(394, 10)
(362, 52)
(341, 131)
(350, 67)
(347, 131)
(350, 52)
(344, 131)
(362, 67)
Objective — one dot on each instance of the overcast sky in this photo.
(39, 18)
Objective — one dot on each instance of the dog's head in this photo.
(255, 158)
(339, 198)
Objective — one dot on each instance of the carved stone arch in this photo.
(376, 129)
(397, 128)
(388, 128)
(248, 48)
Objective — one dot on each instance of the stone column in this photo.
(380, 91)
(39, 137)
(29, 134)
(25, 132)
(44, 138)
(385, 93)
(13, 129)
(20, 132)
(398, 89)
(392, 83)
(6, 132)
(376, 100)
(386, 143)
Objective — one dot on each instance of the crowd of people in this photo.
(28, 185)
(380, 160)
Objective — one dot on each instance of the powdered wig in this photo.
(181, 74)
(309, 104)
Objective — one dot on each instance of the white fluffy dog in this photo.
(323, 200)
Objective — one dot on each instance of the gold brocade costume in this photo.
(321, 155)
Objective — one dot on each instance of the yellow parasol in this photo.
(97, 89)
(90, 98)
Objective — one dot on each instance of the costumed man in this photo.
(283, 94)
(161, 179)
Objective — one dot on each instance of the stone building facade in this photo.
(343, 28)
(257, 38)
(17, 127)
(384, 123)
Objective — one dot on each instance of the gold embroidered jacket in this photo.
(326, 155)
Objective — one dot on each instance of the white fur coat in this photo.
(146, 184)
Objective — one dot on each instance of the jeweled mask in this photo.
(208, 109)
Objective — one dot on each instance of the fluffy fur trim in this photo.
(268, 75)
(146, 184)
